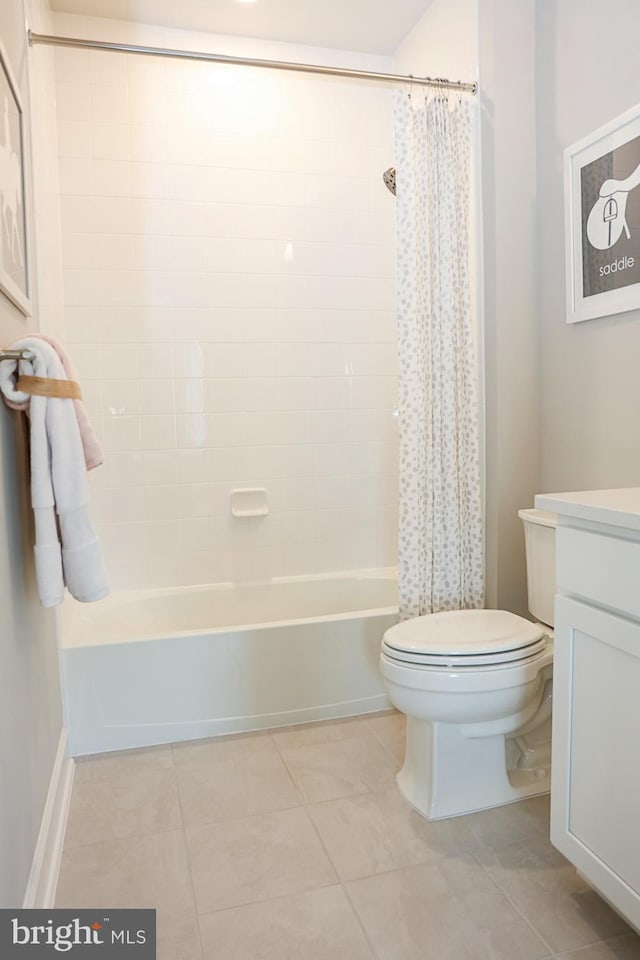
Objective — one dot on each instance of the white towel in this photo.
(67, 549)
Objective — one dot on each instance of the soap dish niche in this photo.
(249, 502)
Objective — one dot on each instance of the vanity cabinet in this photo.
(595, 787)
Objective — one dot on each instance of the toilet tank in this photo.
(540, 550)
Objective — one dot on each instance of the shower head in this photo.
(389, 177)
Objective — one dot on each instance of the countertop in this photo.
(617, 508)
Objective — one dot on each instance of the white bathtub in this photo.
(156, 666)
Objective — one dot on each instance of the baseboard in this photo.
(45, 867)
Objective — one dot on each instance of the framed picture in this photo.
(602, 209)
(14, 268)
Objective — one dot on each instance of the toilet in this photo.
(476, 688)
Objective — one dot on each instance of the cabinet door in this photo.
(595, 792)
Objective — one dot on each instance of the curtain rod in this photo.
(251, 62)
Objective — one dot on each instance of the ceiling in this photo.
(369, 26)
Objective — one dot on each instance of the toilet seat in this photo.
(464, 638)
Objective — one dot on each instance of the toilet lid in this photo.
(464, 638)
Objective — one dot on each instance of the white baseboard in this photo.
(45, 867)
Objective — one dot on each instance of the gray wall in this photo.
(30, 707)
(587, 74)
(507, 85)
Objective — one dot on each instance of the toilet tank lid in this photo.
(544, 517)
(464, 632)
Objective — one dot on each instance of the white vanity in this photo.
(595, 793)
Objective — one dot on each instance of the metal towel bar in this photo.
(16, 355)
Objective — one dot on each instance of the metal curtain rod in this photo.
(252, 62)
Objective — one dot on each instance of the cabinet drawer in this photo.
(603, 569)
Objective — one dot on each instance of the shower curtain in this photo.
(441, 550)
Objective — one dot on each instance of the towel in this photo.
(67, 550)
(92, 452)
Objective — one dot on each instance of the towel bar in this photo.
(16, 355)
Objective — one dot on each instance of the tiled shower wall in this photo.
(229, 293)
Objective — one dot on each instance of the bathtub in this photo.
(157, 666)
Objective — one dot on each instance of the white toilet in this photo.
(476, 688)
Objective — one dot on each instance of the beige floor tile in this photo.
(256, 858)
(330, 731)
(376, 832)
(546, 889)
(141, 872)
(448, 910)
(212, 790)
(319, 925)
(223, 748)
(625, 947)
(391, 731)
(512, 822)
(326, 771)
(129, 805)
(178, 938)
(122, 763)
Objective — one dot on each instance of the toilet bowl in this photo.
(476, 687)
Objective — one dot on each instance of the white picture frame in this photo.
(14, 261)
(602, 220)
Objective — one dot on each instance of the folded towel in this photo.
(92, 452)
(66, 549)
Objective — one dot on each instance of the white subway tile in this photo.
(74, 138)
(123, 468)
(189, 362)
(73, 101)
(162, 537)
(112, 215)
(148, 143)
(109, 104)
(372, 490)
(155, 361)
(195, 430)
(111, 141)
(118, 361)
(71, 65)
(196, 499)
(107, 68)
(77, 176)
(112, 178)
(120, 398)
(157, 396)
(187, 254)
(160, 467)
(151, 253)
(278, 428)
(329, 426)
(122, 433)
(146, 72)
(189, 394)
(159, 432)
(86, 358)
(148, 180)
(225, 395)
(197, 534)
(330, 493)
(229, 273)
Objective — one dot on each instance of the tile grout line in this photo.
(509, 900)
(186, 850)
(368, 941)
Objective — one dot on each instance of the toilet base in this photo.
(447, 774)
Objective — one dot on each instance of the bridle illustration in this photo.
(608, 218)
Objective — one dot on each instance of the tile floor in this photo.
(295, 845)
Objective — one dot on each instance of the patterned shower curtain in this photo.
(441, 549)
